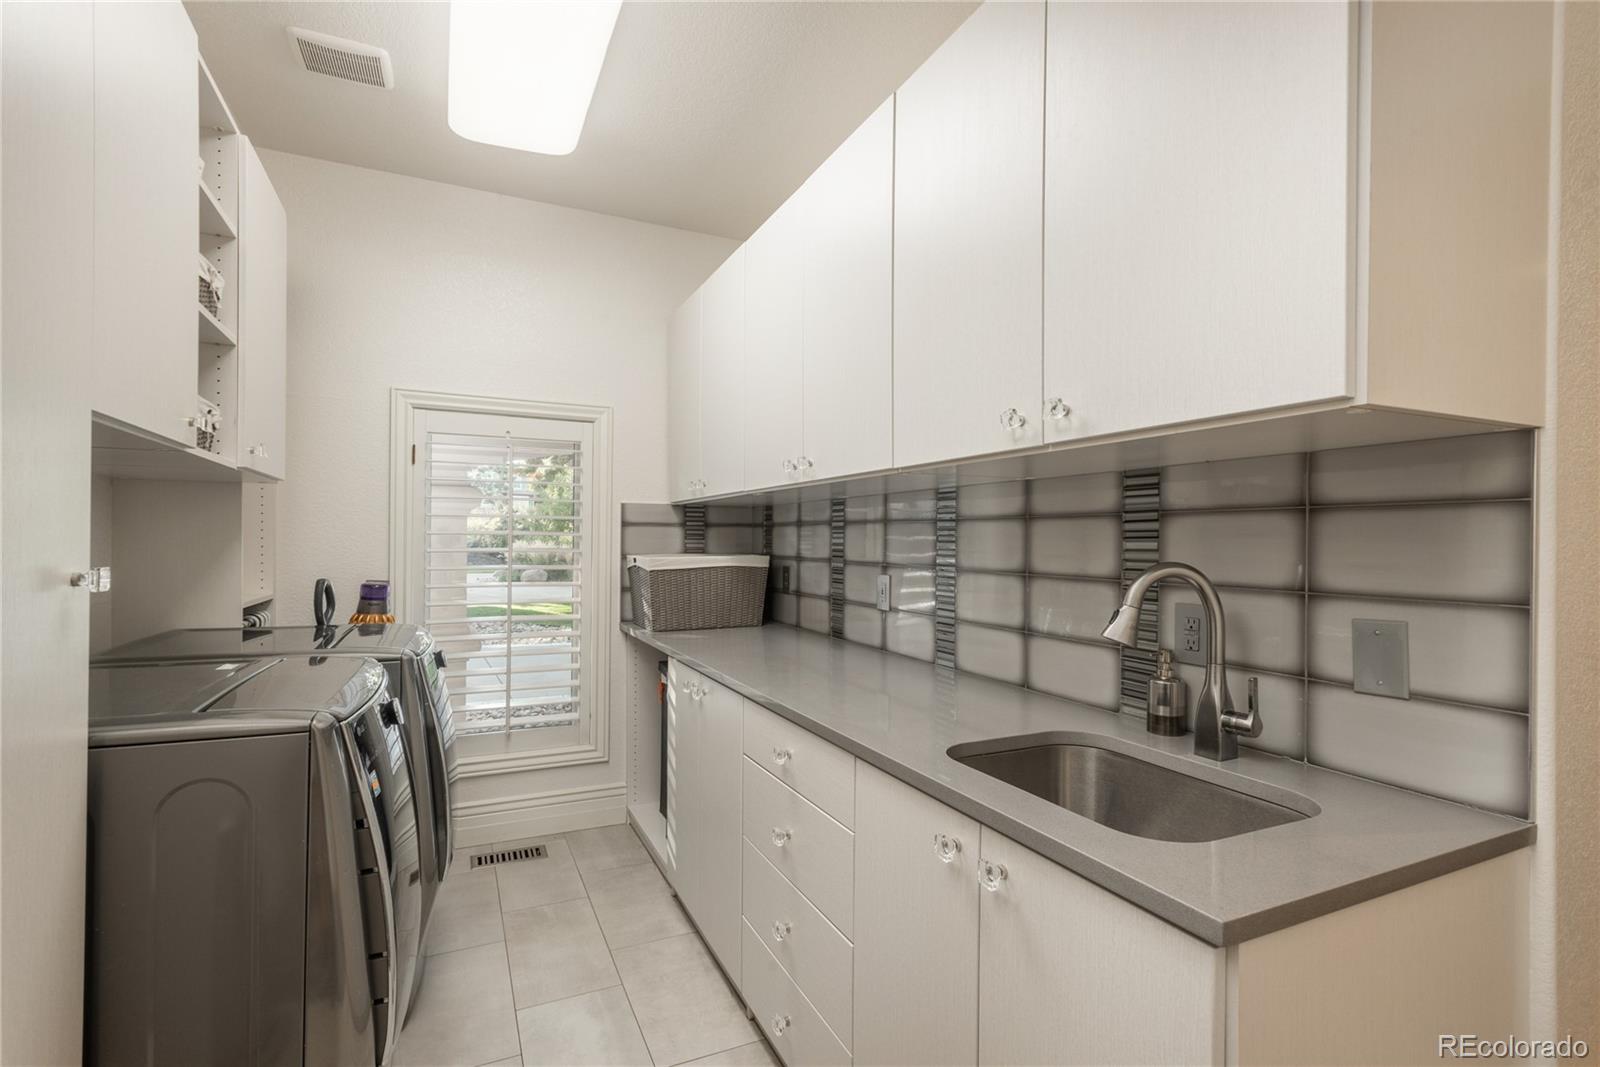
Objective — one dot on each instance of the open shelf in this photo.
(163, 464)
(214, 219)
(213, 331)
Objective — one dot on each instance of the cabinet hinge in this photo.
(413, 455)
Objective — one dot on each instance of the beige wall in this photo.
(1574, 813)
(395, 281)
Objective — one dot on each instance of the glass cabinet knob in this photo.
(1057, 408)
(1012, 419)
(780, 756)
(804, 463)
(788, 466)
(780, 836)
(946, 847)
(779, 1024)
(991, 875)
(780, 930)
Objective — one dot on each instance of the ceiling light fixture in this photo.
(522, 74)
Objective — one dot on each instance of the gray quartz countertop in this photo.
(901, 715)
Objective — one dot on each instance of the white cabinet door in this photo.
(683, 399)
(916, 947)
(1071, 974)
(1197, 211)
(773, 279)
(47, 92)
(706, 819)
(968, 187)
(849, 374)
(140, 278)
(263, 318)
(722, 378)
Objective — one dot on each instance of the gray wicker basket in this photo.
(696, 592)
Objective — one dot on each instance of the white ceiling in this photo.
(707, 115)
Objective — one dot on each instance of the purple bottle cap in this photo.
(374, 589)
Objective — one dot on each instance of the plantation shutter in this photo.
(504, 520)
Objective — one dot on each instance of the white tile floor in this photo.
(583, 957)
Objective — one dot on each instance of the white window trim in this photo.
(404, 404)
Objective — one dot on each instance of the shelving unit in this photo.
(217, 368)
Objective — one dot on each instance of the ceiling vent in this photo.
(351, 61)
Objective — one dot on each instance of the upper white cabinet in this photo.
(1230, 228)
(1109, 220)
(1197, 211)
(848, 335)
(186, 279)
(140, 278)
(263, 319)
(774, 269)
(722, 374)
(683, 399)
(968, 187)
(818, 335)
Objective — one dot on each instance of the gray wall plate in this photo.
(1380, 651)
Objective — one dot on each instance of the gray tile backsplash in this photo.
(1436, 534)
(1478, 552)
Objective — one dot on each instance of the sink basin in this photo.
(1125, 792)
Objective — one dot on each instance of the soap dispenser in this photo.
(1169, 699)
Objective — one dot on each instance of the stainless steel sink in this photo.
(1125, 792)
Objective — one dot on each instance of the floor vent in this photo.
(510, 855)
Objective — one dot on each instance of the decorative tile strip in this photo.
(1141, 546)
(836, 566)
(694, 528)
(944, 577)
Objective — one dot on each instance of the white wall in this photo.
(395, 281)
(1565, 897)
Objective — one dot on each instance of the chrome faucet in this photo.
(1216, 724)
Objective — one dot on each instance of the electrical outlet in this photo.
(783, 578)
(883, 592)
(1189, 634)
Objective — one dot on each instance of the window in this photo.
(505, 554)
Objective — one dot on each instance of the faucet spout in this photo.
(1217, 726)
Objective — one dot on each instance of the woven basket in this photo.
(210, 299)
(697, 592)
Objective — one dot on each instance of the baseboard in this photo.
(486, 822)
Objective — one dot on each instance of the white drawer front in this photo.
(818, 771)
(810, 948)
(813, 851)
(793, 1026)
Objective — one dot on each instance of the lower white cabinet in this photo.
(916, 948)
(788, 1019)
(921, 937)
(809, 947)
(1070, 974)
(707, 747)
(807, 845)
